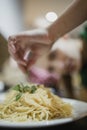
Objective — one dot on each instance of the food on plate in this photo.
(33, 102)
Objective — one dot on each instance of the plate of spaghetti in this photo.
(33, 105)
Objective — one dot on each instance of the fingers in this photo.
(26, 51)
(16, 50)
(31, 60)
(18, 56)
(25, 57)
(11, 44)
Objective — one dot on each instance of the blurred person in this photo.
(65, 60)
(28, 46)
(67, 57)
(58, 65)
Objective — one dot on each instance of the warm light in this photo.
(51, 16)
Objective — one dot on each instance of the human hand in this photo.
(28, 46)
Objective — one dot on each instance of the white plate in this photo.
(79, 111)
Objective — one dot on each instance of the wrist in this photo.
(53, 33)
(50, 36)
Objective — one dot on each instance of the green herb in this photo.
(33, 89)
(18, 96)
(24, 88)
(17, 87)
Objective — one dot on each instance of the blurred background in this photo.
(20, 15)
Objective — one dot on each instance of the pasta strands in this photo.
(40, 105)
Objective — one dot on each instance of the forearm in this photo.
(71, 18)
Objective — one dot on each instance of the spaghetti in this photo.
(33, 103)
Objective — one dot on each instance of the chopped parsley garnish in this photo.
(24, 88)
(18, 96)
